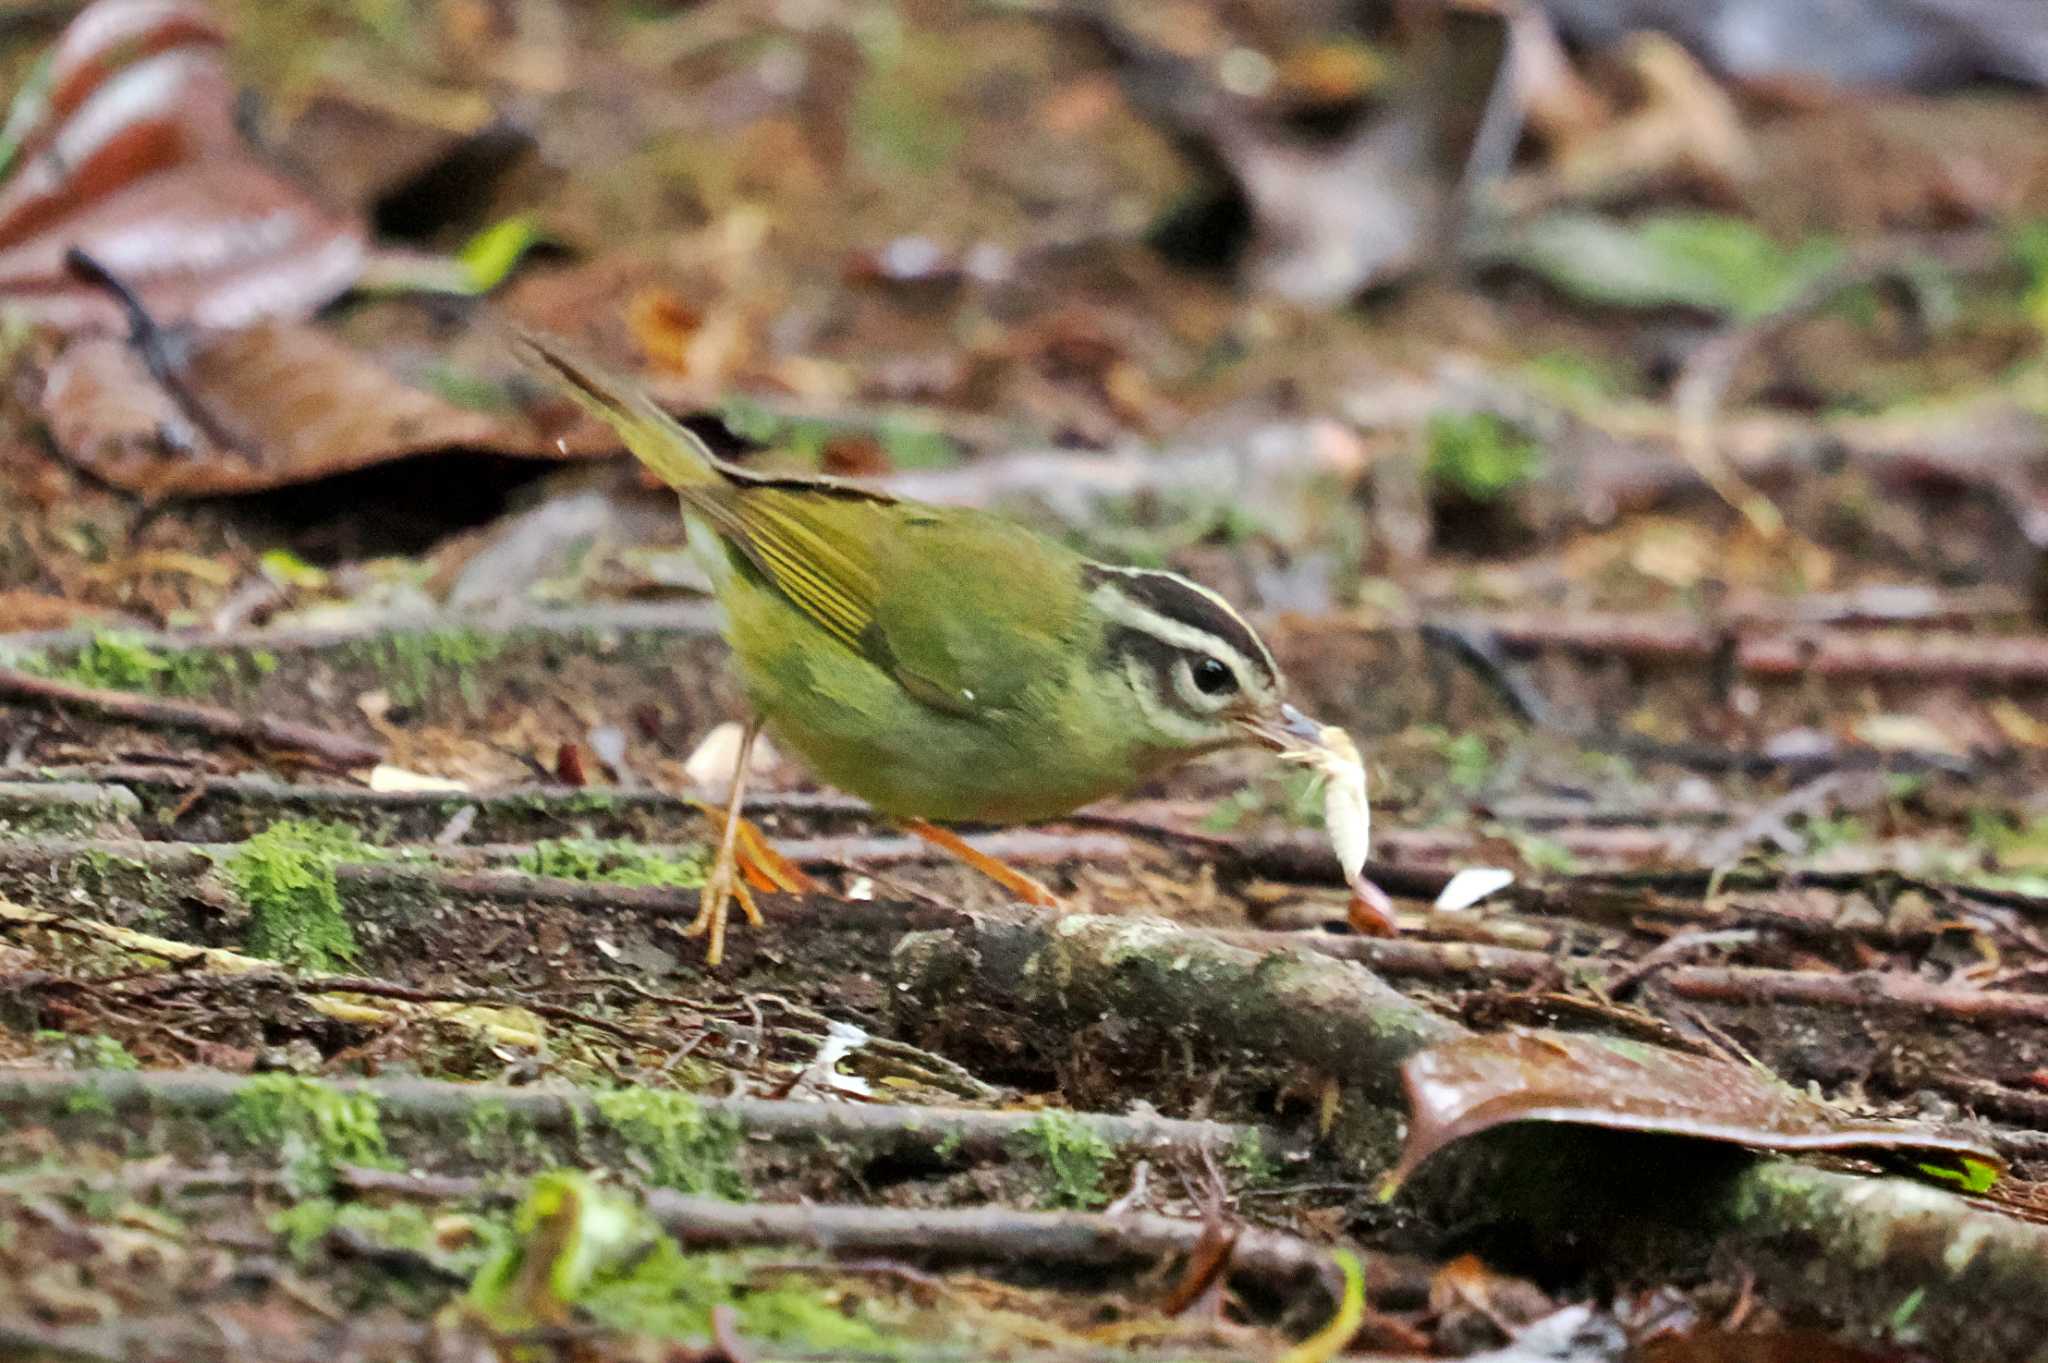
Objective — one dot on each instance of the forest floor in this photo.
(1683, 558)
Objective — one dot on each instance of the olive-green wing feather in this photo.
(997, 612)
(804, 542)
(656, 439)
(976, 608)
(821, 570)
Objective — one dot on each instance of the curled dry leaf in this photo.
(127, 150)
(1460, 1088)
(295, 402)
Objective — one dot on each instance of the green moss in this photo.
(684, 1147)
(121, 662)
(305, 1224)
(1249, 1159)
(612, 861)
(1466, 756)
(314, 1127)
(493, 1132)
(285, 877)
(107, 868)
(88, 1101)
(579, 1247)
(1479, 455)
(1076, 1160)
(115, 660)
(103, 1052)
(1292, 794)
(1539, 853)
(402, 1227)
(414, 666)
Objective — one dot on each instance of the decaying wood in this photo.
(1137, 1005)
(563, 1116)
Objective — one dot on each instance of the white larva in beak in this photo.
(1347, 815)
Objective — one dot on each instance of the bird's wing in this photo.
(803, 542)
(994, 613)
(963, 610)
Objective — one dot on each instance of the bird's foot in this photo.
(745, 862)
(723, 884)
(1028, 889)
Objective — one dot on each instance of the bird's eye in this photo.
(1213, 678)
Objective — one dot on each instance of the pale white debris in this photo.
(710, 767)
(1471, 885)
(387, 779)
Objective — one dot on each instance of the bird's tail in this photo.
(677, 456)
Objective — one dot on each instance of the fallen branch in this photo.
(320, 991)
(257, 731)
(1775, 653)
(982, 1235)
(1408, 958)
(1867, 991)
(1194, 1016)
(847, 1132)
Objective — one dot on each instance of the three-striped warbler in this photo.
(944, 663)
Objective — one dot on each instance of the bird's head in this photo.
(1199, 677)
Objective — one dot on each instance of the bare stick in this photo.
(257, 731)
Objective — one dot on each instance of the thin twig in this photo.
(257, 731)
(155, 345)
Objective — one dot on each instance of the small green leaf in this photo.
(1975, 1176)
(490, 255)
(287, 569)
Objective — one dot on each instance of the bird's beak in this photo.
(1290, 732)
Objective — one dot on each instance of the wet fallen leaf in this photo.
(1460, 1088)
(295, 402)
(1717, 264)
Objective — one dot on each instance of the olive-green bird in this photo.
(938, 662)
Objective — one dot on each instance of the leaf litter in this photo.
(956, 248)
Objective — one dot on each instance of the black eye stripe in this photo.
(1175, 599)
(1161, 659)
(1155, 655)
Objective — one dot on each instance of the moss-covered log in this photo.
(1116, 1005)
(675, 1140)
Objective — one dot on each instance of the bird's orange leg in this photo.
(724, 883)
(1028, 889)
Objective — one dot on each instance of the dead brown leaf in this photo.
(1460, 1088)
(297, 403)
(134, 158)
